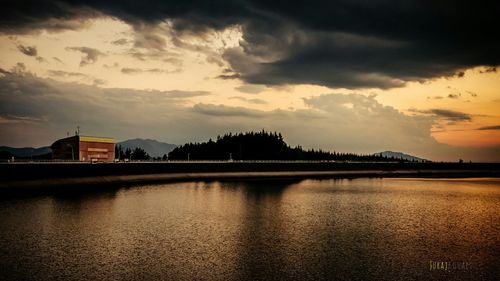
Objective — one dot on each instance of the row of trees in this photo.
(131, 154)
(246, 146)
(258, 146)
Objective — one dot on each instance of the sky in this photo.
(419, 77)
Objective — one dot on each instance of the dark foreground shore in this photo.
(22, 177)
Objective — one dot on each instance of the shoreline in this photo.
(28, 178)
(89, 182)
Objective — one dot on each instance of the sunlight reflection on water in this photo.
(257, 230)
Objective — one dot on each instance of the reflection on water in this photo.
(358, 229)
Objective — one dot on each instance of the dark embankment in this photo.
(20, 177)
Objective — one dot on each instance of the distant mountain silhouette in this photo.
(153, 147)
(24, 152)
(400, 155)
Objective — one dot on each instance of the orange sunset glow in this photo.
(116, 72)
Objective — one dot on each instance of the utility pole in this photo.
(188, 156)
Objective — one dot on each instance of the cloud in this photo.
(11, 119)
(57, 60)
(229, 76)
(295, 56)
(75, 76)
(212, 56)
(147, 37)
(436, 97)
(250, 89)
(61, 73)
(451, 115)
(20, 69)
(226, 111)
(341, 122)
(156, 55)
(454, 96)
(332, 43)
(472, 94)
(254, 101)
(128, 70)
(120, 42)
(445, 114)
(489, 70)
(497, 127)
(28, 50)
(32, 16)
(178, 94)
(102, 111)
(90, 54)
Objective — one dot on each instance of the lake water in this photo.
(361, 229)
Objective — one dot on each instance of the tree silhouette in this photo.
(258, 146)
(139, 154)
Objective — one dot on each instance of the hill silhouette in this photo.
(258, 146)
(153, 148)
(400, 155)
(7, 152)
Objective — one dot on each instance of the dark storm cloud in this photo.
(450, 115)
(27, 115)
(21, 16)
(28, 50)
(338, 43)
(489, 128)
(28, 16)
(146, 37)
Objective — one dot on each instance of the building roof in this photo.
(87, 139)
(97, 139)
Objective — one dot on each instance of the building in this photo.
(84, 148)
